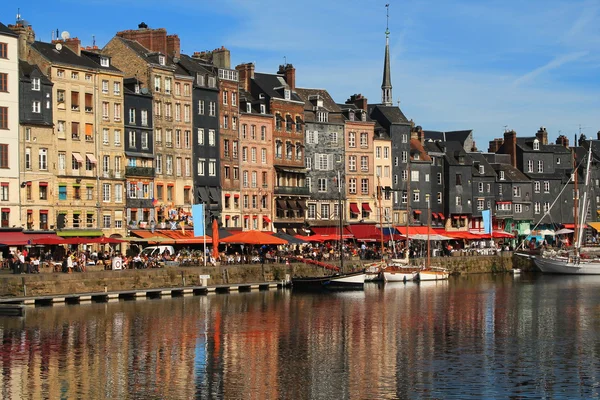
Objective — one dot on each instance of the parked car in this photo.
(155, 251)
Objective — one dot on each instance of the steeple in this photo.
(386, 85)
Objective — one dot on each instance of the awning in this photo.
(13, 238)
(186, 237)
(366, 207)
(366, 232)
(227, 195)
(187, 187)
(420, 230)
(301, 204)
(43, 183)
(227, 217)
(266, 219)
(237, 196)
(214, 193)
(595, 225)
(291, 204)
(282, 204)
(92, 158)
(332, 232)
(441, 216)
(78, 157)
(354, 208)
(80, 232)
(572, 226)
(139, 155)
(504, 202)
(289, 118)
(417, 211)
(246, 216)
(434, 215)
(255, 217)
(298, 119)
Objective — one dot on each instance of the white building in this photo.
(9, 129)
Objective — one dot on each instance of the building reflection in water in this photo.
(497, 336)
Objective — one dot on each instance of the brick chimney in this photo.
(246, 74)
(542, 135)
(358, 100)
(289, 74)
(221, 58)
(152, 39)
(562, 140)
(495, 145)
(72, 43)
(173, 46)
(26, 37)
(474, 147)
(510, 146)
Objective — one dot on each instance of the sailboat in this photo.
(341, 281)
(550, 262)
(431, 273)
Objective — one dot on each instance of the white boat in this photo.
(373, 272)
(399, 273)
(433, 274)
(515, 271)
(550, 262)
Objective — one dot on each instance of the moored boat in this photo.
(433, 274)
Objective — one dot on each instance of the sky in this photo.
(482, 65)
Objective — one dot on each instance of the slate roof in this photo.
(526, 144)
(453, 151)
(26, 69)
(149, 55)
(511, 174)
(268, 82)
(6, 31)
(95, 57)
(455, 136)
(392, 113)
(479, 158)
(335, 113)
(63, 56)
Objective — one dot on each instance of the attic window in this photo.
(501, 175)
(322, 116)
(263, 109)
(287, 94)
(351, 116)
(261, 96)
(481, 169)
(536, 144)
(212, 82)
(200, 79)
(363, 116)
(161, 60)
(104, 62)
(248, 107)
(136, 88)
(416, 157)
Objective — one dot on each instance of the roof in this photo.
(479, 159)
(95, 57)
(149, 55)
(393, 114)
(268, 84)
(511, 174)
(6, 31)
(26, 69)
(456, 136)
(328, 104)
(453, 150)
(526, 144)
(417, 147)
(63, 56)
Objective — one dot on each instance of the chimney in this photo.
(246, 74)
(221, 58)
(173, 46)
(562, 140)
(72, 43)
(510, 141)
(495, 145)
(542, 135)
(289, 74)
(358, 100)
(26, 37)
(152, 39)
(474, 147)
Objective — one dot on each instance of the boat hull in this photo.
(399, 276)
(351, 281)
(427, 275)
(567, 266)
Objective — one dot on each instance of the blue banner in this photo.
(487, 221)
(198, 219)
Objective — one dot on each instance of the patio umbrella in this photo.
(253, 237)
(106, 240)
(157, 239)
(563, 231)
(289, 238)
(215, 239)
(133, 239)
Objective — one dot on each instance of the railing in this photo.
(291, 190)
(140, 171)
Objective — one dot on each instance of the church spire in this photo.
(386, 85)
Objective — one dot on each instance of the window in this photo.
(35, 84)
(322, 182)
(414, 176)
(117, 137)
(263, 156)
(458, 201)
(167, 83)
(169, 165)
(169, 138)
(145, 140)
(518, 208)
(28, 158)
(530, 166)
(546, 206)
(352, 139)
(132, 139)
(458, 180)
(364, 163)
(364, 140)
(132, 115)
(225, 122)
(540, 166)
(501, 175)
(404, 156)
(263, 109)
(212, 108)
(106, 192)
(352, 185)
(178, 138)
(200, 165)
(4, 191)
(201, 136)
(177, 112)
(536, 145)
(186, 89)
(516, 191)
(386, 153)
(74, 75)
(480, 204)
(546, 187)
(253, 154)
(43, 159)
(480, 187)
(439, 197)
(439, 178)
(211, 137)
(404, 175)
(364, 186)
(416, 196)
(117, 112)
(537, 207)
(378, 152)
(3, 156)
(62, 192)
(43, 189)
(481, 169)
(117, 88)
(178, 166)
(186, 113)
(225, 96)
(36, 107)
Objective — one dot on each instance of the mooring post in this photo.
(24, 287)
(182, 278)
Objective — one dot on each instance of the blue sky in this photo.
(468, 64)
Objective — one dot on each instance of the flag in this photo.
(487, 221)
(198, 219)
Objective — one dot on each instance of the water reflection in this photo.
(476, 336)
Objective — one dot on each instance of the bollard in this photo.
(105, 289)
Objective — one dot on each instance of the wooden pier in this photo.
(15, 306)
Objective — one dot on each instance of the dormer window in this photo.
(136, 88)
(351, 115)
(536, 144)
(363, 116)
(161, 60)
(261, 96)
(248, 107)
(104, 62)
(481, 170)
(322, 116)
(212, 82)
(461, 159)
(501, 175)
(200, 79)
(416, 157)
(35, 84)
(287, 94)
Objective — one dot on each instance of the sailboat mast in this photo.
(584, 205)
(379, 190)
(575, 196)
(407, 203)
(428, 229)
(341, 223)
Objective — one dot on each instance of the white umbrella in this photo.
(564, 231)
(434, 237)
(548, 232)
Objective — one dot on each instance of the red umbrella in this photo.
(215, 239)
(253, 237)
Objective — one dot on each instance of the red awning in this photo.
(236, 196)
(420, 230)
(43, 183)
(417, 211)
(43, 211)
(14, 238)
(227, 195)
(366, 207)
(571, 226)
(255, 217)
(187, 187)
(246, 216)
(504, 202)
(366, 232)
(354, 208)
(434, 215)
(227, 217)
(332, 232)
(266, 219)
(455, 216)
(441, 216)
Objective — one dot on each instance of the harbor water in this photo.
(481, 336)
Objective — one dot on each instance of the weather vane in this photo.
(387, 19)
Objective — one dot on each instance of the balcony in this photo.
(139, 203)
(139, 171)
(292, 190)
